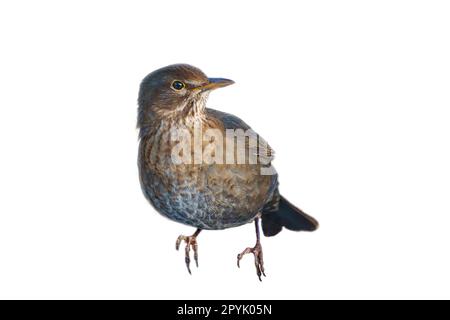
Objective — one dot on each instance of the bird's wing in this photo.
(256, 144)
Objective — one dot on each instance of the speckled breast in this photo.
(206, 196)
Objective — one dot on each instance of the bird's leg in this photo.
(191, 241)
(257, 253)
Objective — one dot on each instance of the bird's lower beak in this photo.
(215, 83)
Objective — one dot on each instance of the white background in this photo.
(352, 95)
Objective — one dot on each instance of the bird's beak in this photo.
(215, 83)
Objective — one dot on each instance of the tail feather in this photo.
(289, 216)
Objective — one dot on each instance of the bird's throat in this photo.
(196, 108)
(189, 114)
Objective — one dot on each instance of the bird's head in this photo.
(175, 91)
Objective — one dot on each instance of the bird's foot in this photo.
(258, 254)
(191, 242)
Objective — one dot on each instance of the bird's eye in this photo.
(178, 85)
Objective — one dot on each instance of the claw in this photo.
(259, 262)
(190, 241)
(177, 244)
(187, 259)
(195, 247)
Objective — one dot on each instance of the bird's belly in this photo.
(207, 197)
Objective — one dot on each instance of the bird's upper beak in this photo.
(215, 83)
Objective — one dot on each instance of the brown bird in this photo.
(206, 168)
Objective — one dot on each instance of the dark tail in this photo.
(288, 216)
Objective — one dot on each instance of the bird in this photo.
(193, 171)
